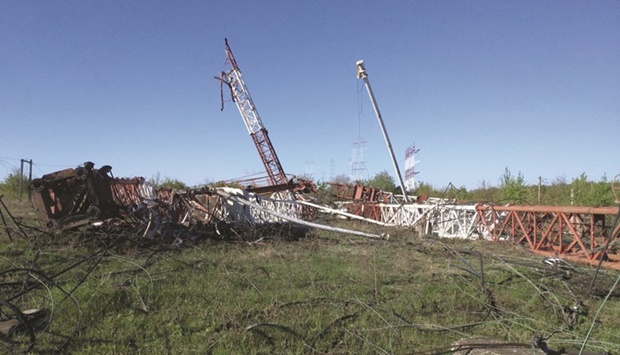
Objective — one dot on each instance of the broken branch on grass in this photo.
(312, 301)
(596, 315)
(272, 325)
(336, 322)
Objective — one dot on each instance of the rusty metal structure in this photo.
(585, 234)
(73, 197)
(572, 232)
(261, 185)
(359, 192)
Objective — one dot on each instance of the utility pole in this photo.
(29, 176)
(21, 176)
(361, 74)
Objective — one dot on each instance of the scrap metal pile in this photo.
(585, 234)
(72, 198)
(85, 196)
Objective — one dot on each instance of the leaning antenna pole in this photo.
(361, 74)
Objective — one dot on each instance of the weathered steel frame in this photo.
(269, 158)
(454, 221)
(575, 232)
(360, 192)
(73, 197)
(404, 215)
(366, 210)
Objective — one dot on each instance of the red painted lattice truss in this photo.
(577, 233)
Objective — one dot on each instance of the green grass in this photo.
(308, 293)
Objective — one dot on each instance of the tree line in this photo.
(511, 189)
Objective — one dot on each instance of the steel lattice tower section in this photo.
(410, 172)
(241, 96)
(357, 163)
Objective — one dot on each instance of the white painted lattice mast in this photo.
(410, 163)
(241, 97)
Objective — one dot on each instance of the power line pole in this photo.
(21, 176)
(29, 176)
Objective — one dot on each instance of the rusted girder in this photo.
(359, 192)
(572, 232)
(262, 185)
(566, 231)
(73, 197)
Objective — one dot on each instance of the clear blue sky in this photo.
(477, 85)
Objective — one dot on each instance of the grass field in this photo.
(290, 290)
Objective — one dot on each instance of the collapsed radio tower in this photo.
(241, 97)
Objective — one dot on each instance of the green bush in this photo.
(10, 185)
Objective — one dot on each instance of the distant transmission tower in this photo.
(332, 169)
(358, 165)
(410, 163)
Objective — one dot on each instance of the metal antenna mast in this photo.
(361, 74)
(241, 96)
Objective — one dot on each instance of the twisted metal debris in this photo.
(76, 197)
(584, 234)
(72, 198)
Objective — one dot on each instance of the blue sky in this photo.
(478, 86)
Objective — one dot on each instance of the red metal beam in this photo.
(567, 231)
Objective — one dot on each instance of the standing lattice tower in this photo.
(410, 163)
(358, 165)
